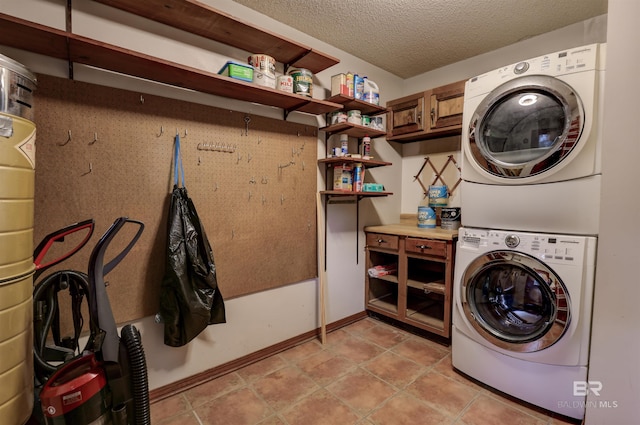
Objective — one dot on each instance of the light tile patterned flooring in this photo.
(367, 373)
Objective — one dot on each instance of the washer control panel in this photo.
(548, 247)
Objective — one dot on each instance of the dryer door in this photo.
(525, 127)
(515, 301)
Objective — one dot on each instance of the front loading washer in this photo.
(532, 142)
(522, 314)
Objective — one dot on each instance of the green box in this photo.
(373, 187)
(238, 71)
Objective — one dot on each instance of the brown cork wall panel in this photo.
(254, 191)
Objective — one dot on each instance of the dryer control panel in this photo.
(579, 59)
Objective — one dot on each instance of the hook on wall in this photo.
(95, 138)
(161, 131)
(67, 141)
(90, 170)
(247, 120)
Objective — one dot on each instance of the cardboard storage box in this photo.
(339, 85)
(343, 177)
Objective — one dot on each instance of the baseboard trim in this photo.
(215, 372)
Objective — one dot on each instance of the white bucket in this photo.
(264, 73)
(263, 63)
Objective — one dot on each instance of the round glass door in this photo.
(515, 301)
(525, 127)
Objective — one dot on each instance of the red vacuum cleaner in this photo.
(107, 383)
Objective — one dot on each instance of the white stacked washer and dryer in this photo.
(526, 254)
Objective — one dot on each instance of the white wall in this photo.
(615, 343)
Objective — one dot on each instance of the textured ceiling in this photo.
(410, 37)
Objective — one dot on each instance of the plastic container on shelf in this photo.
(371, 92)
(358, 86)
(354, 116)
(236, 70)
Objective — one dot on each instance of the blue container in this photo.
(426, 217)
(438, 196)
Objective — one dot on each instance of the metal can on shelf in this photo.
(285, 83)
(302, 81)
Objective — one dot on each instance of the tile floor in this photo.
(367, 373)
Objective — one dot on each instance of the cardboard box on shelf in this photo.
(343, 177)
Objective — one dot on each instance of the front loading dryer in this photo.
(522, 314)
(532, 143)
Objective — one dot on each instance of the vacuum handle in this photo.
(108, 237)
(58, 236)
(99, 305)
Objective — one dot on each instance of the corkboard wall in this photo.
(254, 190)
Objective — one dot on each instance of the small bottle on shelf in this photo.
(344, 143)
(366, 147)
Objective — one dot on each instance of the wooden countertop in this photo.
(406, 228)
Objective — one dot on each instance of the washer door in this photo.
(515, 301)
(525, 127)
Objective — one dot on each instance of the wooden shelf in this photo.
(351, 193)
(437, 287)
(421, 320)
(59, 44)
(350, 102)
(387, 302)
(387, 277)
(367, 163)
(353, 130)
(201, 19)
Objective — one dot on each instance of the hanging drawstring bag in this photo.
(189, 296)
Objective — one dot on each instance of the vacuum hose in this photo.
(139, 381)
(46, 318)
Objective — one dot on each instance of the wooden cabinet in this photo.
(429, 114)
(419, 292)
